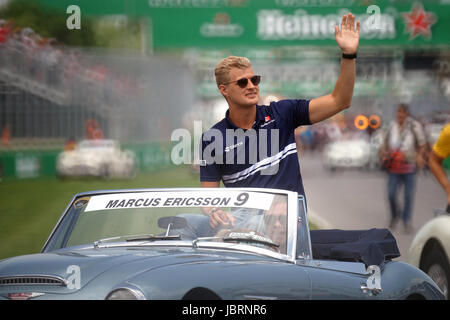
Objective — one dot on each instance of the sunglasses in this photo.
(243, 82)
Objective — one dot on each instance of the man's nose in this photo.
(250, 84)
(277, 223)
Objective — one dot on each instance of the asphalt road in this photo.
(355, 200)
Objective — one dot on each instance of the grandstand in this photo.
(48, 92)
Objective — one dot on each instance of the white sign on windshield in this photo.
(254, 200)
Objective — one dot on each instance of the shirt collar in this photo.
(259, 118)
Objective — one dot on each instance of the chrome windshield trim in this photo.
(301, 201)
(248, 249)
(61, 218)
(107, 191)
(199, 245)
(291, 241)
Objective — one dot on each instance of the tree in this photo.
(48, 22)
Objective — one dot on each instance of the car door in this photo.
(342, 280)
(282, 281)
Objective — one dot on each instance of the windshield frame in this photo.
(293, 210)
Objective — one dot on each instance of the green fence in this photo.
(32, 163)
(151, 156)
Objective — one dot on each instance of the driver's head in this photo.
(275, 221)
(402, 113)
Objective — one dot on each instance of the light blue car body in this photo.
(166, 270)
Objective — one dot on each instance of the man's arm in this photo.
(435, 164)
(210, 184)
(420, 156)
(216, 216)
(347, 37)
(383, 152)
(420, 143)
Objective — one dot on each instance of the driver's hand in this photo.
(420, 161)
(218, 217)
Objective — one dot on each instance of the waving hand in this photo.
(347, 36)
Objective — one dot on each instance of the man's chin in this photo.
(251, 102)
(252, 97)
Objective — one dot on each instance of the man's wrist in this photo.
(447, 188)
(349, 55)
(211, 211)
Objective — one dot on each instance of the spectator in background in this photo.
(304, 136)
(440, 151)
(403, 148)
(333, 130)
(93, 130)
(6, 135)
(70, 144)
(5, 30)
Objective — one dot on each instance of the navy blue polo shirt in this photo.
(264, 156)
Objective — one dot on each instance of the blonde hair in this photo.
(223, 68)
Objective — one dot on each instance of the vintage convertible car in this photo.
(430, 250)
(158, 244)
(97, 158)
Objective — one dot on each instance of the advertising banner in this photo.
(264, 23)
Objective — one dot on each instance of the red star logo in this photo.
(419, 22)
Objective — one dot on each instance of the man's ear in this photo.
(223, 90)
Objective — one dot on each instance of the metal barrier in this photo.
(38, 163)
(50, 92)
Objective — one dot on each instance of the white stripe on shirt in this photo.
(261, 165)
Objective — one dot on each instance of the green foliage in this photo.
(51, 23)
(48, 22)
(126, 35)
(29, 209)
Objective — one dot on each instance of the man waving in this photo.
(254, 146)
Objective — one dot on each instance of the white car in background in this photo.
(430, 251)
(345, 154)
(97, 158)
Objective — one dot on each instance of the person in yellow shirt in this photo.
(440, 151)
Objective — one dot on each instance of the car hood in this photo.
(78, 155)
(110, 266)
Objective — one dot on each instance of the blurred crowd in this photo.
(345, 127)
(81, 78)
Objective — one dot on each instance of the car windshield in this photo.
(258, 219)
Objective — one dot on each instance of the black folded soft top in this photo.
(372, 247)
